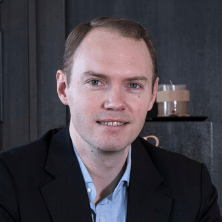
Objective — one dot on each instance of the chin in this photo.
(112, 147)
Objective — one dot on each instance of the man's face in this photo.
(110, 90)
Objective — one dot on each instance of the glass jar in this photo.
(172, 100)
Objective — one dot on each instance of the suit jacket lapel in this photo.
(145, 200)
(66, 197)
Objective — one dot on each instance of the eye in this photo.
(135, 85)
(95, 82)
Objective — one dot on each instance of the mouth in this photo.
(113, 123)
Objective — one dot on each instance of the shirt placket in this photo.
(103, 210)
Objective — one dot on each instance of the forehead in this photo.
(110, 50)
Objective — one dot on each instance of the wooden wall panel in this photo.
(33, 100)
(195, 143)
(50, 48)
(33, 45)
(14, 22)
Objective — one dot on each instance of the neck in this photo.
(105, 167)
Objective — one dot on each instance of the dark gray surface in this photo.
(14, 22)
(192, 139)
(33, 84)
(1, 79)
(33, 43)
(50, 48)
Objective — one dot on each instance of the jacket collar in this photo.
(66, 196)
(145, 200)
(61, 154)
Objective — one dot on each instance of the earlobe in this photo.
(62, 86)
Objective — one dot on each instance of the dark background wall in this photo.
(188, 37)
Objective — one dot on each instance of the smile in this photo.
(112, 123)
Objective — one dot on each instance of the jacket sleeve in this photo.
(209, 209)
(8, 200)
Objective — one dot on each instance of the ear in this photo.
(62, 86)
(155, 88)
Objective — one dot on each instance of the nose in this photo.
(114, 100)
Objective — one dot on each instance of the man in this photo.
(97, 168)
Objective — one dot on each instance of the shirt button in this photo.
(88, 190)
(102, 219)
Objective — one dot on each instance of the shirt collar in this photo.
(87, 177)
(126, 175)
(85, 173)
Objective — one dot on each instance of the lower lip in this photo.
(113, 128)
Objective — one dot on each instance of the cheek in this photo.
(87, 105)
(140, 104)
(82, 104)
(139, 111)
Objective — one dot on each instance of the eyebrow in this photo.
(90, 73)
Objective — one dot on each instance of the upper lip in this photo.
(113, 120)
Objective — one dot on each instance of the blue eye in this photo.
(94, 82)
(135, 85)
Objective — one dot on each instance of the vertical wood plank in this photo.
(50, 48)
(15, 128)
(33, 107)
(1, 84)
(1, 80)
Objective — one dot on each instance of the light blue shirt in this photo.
(114, 207)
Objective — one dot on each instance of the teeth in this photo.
(112, 123)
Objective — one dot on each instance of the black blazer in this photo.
(42, 182)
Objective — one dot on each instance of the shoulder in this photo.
(186, 181)
(174, 167)
(35, 151)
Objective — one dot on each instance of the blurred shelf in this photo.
(177, 118)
